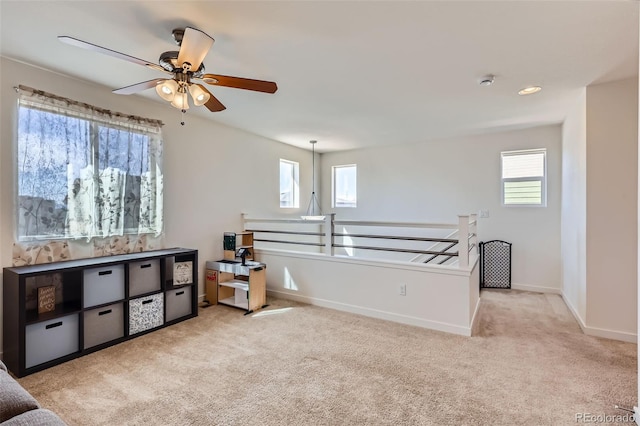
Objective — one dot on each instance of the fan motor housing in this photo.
(169, 61)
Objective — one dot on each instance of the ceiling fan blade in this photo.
(194, 47)
(94, 47)
(213, 104)
(138, 87)
(241, 83)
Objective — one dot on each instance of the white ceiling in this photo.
(350, 74)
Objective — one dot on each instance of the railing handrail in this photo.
(396, 224)
(466, 226)
(397, 250)
(301, 243)
(395, 237)
(272, 231)
(357, 223)
(276, 220)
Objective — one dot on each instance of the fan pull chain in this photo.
(182, 121)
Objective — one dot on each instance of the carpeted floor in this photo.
(295, 364)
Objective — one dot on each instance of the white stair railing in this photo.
(294, 233)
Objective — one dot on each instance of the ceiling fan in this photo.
(186, 69)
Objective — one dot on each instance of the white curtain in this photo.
(86, 172)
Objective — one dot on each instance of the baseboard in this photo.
(599, 332)
(611, 334)
(374, 313)
(573, 311)
(474, 318)
(535, 288)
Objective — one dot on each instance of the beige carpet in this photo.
(295, 364)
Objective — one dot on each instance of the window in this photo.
(85, 172)
(524, 178)
(289, 189)
(344, 186)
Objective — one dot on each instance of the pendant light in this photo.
(312, 213)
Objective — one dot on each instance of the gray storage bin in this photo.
(178, 303)
(103, 285)
(144, 277)
(48, 340)
(103, 325)
(146, 313)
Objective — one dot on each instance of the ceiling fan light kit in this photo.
(187, 70)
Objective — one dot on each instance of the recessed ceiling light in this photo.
(529, 90)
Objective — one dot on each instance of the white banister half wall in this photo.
(413, 273)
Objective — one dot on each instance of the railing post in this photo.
(463, 241)
(328, 234)
(473, 230)
(243, 217)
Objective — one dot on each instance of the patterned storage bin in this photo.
(146, 313)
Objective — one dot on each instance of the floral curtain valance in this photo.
(66, 106)
(84, 171)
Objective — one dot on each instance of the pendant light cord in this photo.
(311, 209)
(313, 161)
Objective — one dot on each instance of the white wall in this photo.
(574, 208)
(436, 181)
(212, 172)
(439, 298)
(600, 210)
(612, 197)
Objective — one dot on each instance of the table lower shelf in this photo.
(231, 301)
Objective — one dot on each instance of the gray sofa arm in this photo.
(19, 408)
(39, 417)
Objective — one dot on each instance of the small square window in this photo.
(524, 180)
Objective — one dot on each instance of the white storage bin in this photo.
(240, 296)
(144, 277)
(103, 285)
(103, 325)
(146, 313)
(48, 340)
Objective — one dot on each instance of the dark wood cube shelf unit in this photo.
(99, 302)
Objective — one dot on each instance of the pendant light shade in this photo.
(200, 97)
(180, 100)
(167, 89)
(313, 210)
